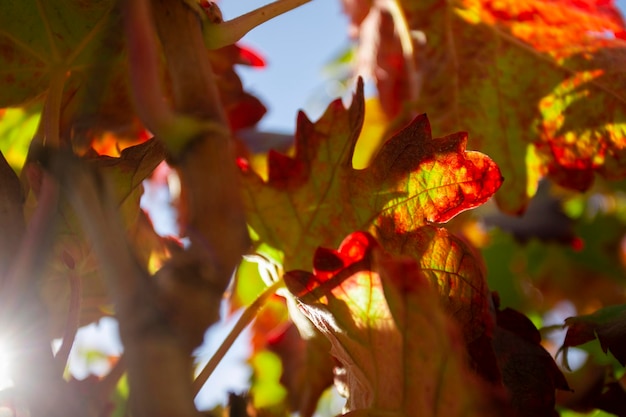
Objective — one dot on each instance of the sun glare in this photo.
(5, 366)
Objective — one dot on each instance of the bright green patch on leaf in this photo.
(17, 128)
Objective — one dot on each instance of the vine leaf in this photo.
(39, 38)
(73, 254)
(453, 268)
(369, 304)
(563, 119)
(529, 371)
(307, 368)
(75, 46)
(606, 324)
(317, 196)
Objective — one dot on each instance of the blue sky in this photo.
(296, 46)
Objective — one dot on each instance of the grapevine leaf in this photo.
(307, 368)
(317, 196)
(40, 39)
(72, 253)
(74, 49)
(368, 305)
(452, 267)
(608, 325)
(471, 67)
(529, 372)
(242, 109)
(11, 215)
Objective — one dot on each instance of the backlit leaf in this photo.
(72, 253)
(452, 267)
(539, 84)
(317, 196)
(400, 351)
(73, 49)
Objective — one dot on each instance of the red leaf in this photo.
(316, 197)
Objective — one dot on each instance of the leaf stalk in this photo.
(246, 318)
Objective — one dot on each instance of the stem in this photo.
(404, 35)
(246, 318)
(213, 213)
(52, 108)
(34, 248)
(144, 66)
(158, 366)
(175, 130)
(227, 33)
(110, 381)
(72, 321)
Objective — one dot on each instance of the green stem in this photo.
(227, 33)
(246, 318)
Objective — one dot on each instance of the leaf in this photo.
(400, 351)
(266, 390)
(529, 372)
(72, 252)
(450, 266)
(242, 109)
(17, 128)
(470, 67)
(307, 368)
(12, 221)
(317, 196)
(42, 38)
(608, 325)
(75, 49)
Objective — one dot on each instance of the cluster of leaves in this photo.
(425, 308)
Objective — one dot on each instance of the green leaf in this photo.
(17, 128)
(39, 39)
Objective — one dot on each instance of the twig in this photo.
(71, 323)
(212, 212)
(246, 318)
(51, 117)
(408, 52)
(218, 35)
(110, 381)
